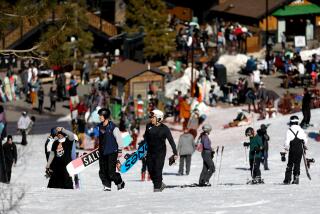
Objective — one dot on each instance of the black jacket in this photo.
(10, 152)
(156, 139)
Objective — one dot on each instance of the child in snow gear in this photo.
(207, 155)
(10, 156)
(255, 153)
(23, 124)
(296, 141)
(262, 132)
(62, 152)
(155, 135)
(110, 148)
(186, 147)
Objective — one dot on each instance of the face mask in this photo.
(62, 140)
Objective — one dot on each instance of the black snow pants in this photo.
(208, 167)
(107, 172)
(155, 163)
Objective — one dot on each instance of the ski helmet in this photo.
(249, 131)
(207, 128)
(105, 112)
(294, 120)
(158, 114)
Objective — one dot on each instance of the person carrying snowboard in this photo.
(262, 132)
(62, 153)
(255, 154)
(207, 155)
(295, 144)
(155, 135)
(110, 149)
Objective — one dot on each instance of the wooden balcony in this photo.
(26, 27)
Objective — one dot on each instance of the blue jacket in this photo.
(107, 141)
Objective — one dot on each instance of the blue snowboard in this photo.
(133, 158)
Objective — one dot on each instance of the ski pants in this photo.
(265, 160)
(107, 172)
(306, 116)
(144, 165)
(187, 159)
(8, 170)
(255, 167)
(24, 137)
(294, 161)
(208, 166)
(155, 163)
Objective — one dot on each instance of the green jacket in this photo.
(256, 147)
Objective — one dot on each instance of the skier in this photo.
(255, 153)
(23, 124)
(10, 155)
(186, 147)
(62, 153)
(155, 135)
(262, 132)
(296, 141)
(306, 105)
(207, 155)
(110, 148)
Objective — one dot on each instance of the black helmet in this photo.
(249, 131)
(294, 120)
(104, 112)
(53, 132)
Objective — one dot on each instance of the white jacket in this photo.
(24, 122)
(290, 136)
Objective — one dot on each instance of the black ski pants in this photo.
(107, 172)
(294, 161)
(306, 116)
(187, 159)
(8, 170)
(255, 167)
(155, 163)
(24, 137)
(208, 167)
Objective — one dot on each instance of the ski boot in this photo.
(121, 185)
(163, 186)
(286, 182)
(259, 180)
(143, 176)
(295, 180)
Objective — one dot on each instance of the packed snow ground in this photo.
(229, 195)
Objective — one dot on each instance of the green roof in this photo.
(293, 10)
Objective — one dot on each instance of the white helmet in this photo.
(158, 114)
(207, 128)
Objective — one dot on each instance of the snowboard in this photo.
(306, 163)
(133, 158)
(79, 164)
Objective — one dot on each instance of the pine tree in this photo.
(151, 15)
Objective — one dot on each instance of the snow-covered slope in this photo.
(229, 195)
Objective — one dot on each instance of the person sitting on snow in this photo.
(240, 120)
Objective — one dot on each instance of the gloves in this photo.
(48, 172)
(246, 144)
(172, 160)
(212, 154)
(283, 156)
(258, 149)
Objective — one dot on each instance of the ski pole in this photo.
(217, 153)
(245, 154)
(220, 164)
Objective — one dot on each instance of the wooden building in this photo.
(130, 78)
(290, 16)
